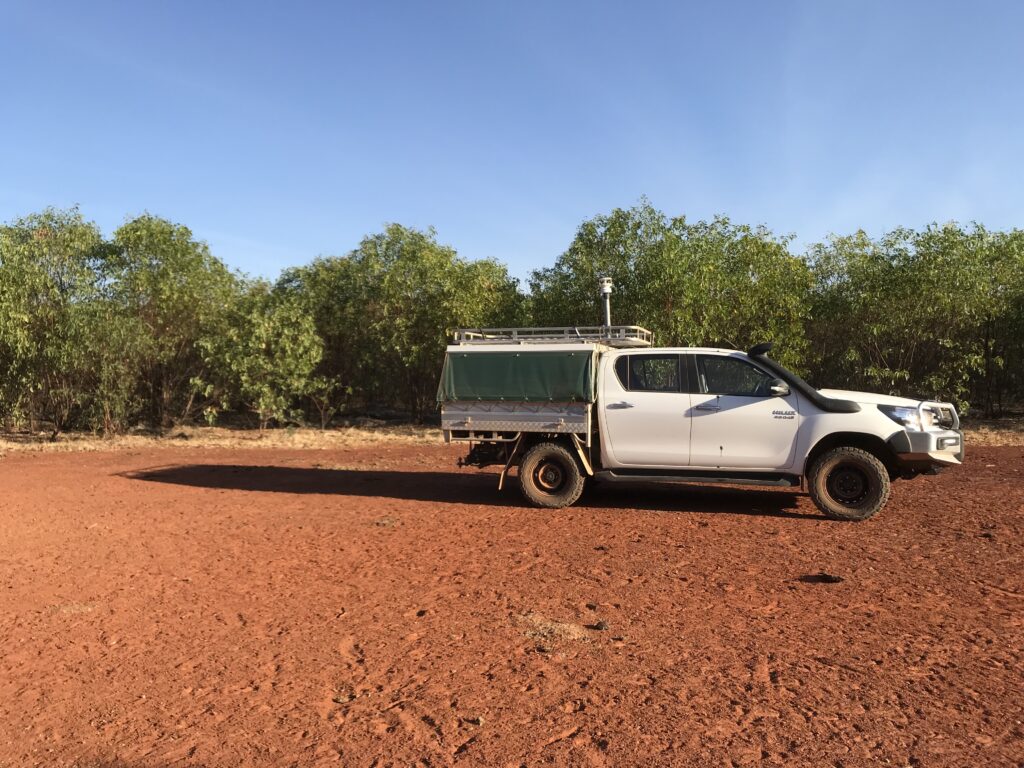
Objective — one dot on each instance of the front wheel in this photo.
(549, 476)
(848, 484)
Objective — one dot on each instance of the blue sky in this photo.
(281, 131)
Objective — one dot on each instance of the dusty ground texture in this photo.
(376, 606)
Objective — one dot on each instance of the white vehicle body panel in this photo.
(756, 433)
(817, 425)
(646, 429)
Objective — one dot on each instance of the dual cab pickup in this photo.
(567, 404)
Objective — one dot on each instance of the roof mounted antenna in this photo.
(605, 288)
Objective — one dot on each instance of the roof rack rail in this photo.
(611, 335)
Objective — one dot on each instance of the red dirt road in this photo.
(376, 606)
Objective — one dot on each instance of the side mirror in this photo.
(778, 388)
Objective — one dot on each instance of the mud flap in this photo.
(511, 456)
(583, 456)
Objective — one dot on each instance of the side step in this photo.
(697, 476)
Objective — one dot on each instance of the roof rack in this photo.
(612, 335)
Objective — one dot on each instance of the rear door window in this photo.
(649, 373)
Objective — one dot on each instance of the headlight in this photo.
(909, 418)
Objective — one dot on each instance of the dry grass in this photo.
(1007, 431)
(368, 432)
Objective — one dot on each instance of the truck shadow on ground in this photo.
(469, 488)
(697, 498)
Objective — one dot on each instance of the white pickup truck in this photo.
(567, 404)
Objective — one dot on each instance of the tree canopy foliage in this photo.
(263, 357)
(713, 283)
(147, 327)
(935, 311)
(387, 310)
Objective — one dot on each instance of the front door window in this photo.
(731, 376)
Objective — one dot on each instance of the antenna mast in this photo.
(605, 288)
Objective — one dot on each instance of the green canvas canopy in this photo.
(558, 376)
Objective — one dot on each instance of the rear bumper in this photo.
(934, 447)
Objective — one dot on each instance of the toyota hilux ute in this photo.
(564, 405)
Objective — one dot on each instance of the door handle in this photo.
(707, 407)
(621, 405)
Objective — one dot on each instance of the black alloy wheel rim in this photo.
(848, 484)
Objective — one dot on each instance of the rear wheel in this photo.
(549, 476)
(849, 483)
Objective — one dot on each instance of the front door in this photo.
(645, 405)
(735, 423)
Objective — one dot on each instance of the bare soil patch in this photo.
(374, 605)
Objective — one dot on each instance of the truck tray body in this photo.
(504, 421)
(496, 392)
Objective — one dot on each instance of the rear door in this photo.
(735, 421)
(644, 402)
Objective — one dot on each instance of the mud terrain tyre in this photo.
(550, 477)
(848, 484)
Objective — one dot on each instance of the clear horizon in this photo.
(278, 135)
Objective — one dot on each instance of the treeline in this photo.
(147, 327)
(932, 313)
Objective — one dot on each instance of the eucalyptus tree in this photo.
(176, 292)
(927, 313)
(262, 359)
(328, 291)
(711, 283)
(387, 309)
(48, 279)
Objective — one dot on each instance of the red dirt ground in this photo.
(376, 606)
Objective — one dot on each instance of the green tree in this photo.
(48, 278)
(1000, 326)
(176, 291)
(387, 310)
(112, 341)
(329, 291)
(264, 358)
(703, 284)
(922, 313)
